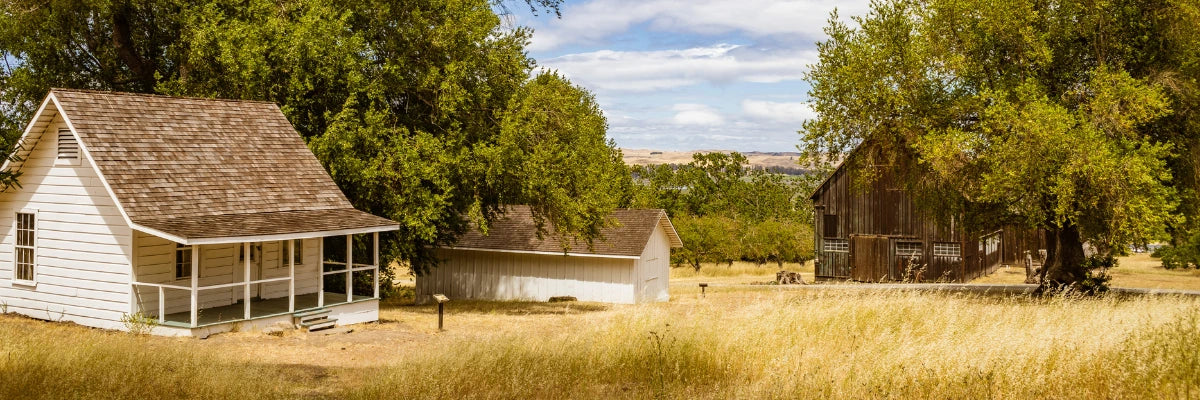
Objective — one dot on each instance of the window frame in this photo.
(841, 245)
(298, 251)
(904, 248)
(33, 248)
(939, 249)
(181, 260)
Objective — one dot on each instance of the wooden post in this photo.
(195, 285)
(162, 305)
(321, 272)
(246, 279)
(375, 240)
(291, 275)
(349, 268)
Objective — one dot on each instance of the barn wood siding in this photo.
(485, 275)
(878, 211)
(83, 244)
(869, 216)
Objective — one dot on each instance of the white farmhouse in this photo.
(629, 265)
(202, 214)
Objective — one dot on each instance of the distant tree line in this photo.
(726, 211)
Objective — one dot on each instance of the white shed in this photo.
(630, 265)
(200, 214)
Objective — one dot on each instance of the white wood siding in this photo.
(83, 244)
(654, 268)
(219, 264)
(470, 274)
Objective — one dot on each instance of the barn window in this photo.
(837, 245)
(947, 250)
(183, 261)
(26, 247)
(909, 249)
(831, 228)
(68, 148)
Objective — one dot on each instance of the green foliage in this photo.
(138, 323)
(1065, 116)
(423, 111)
(725, 211)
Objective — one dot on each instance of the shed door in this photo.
(869, 257)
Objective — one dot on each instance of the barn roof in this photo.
(517, 232)
(198, 170)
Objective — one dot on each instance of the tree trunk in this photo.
(1064, 259)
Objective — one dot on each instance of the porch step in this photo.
(319, 324)
(314, 320)
(309, 313)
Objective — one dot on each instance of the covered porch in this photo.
(205, 285)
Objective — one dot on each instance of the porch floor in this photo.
(258, 308)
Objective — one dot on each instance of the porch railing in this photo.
(246, 283)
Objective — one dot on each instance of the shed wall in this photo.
(486, 275)
(653, 268)
(83, 244)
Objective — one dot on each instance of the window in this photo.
(68, 148)
(909, 249)
(831, 228)
(183, 261)
(255, 249)
(947, 250)
(298, 251)
(26, 247)
(837, 245)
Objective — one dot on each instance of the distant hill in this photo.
(781, 161)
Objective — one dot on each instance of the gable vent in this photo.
(68, 148)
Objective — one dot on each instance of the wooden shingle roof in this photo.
(204, 168)
(517, 232)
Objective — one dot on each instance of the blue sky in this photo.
(691, 75)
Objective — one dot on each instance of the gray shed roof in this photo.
(204, 169)
(517, 232)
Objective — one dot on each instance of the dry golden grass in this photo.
(1136, 271)
(740, 272)
(733, 343)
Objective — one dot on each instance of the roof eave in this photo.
(262, 238)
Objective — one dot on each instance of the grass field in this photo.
(737, 342)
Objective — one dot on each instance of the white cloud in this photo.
(778, 111)
(644, 71)
(696, 114)
(595, 21)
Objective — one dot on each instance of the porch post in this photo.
(321, 272)
(291, 276)
(375, 241)
(195, 285)
(246, 279)
(349, 268)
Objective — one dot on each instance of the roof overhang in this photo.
(546, 253)
(261, 238)
(669, 228)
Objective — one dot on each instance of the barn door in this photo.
(869, 257)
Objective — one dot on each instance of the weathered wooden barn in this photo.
(199, 214)
(630, 264)
(874, 233)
